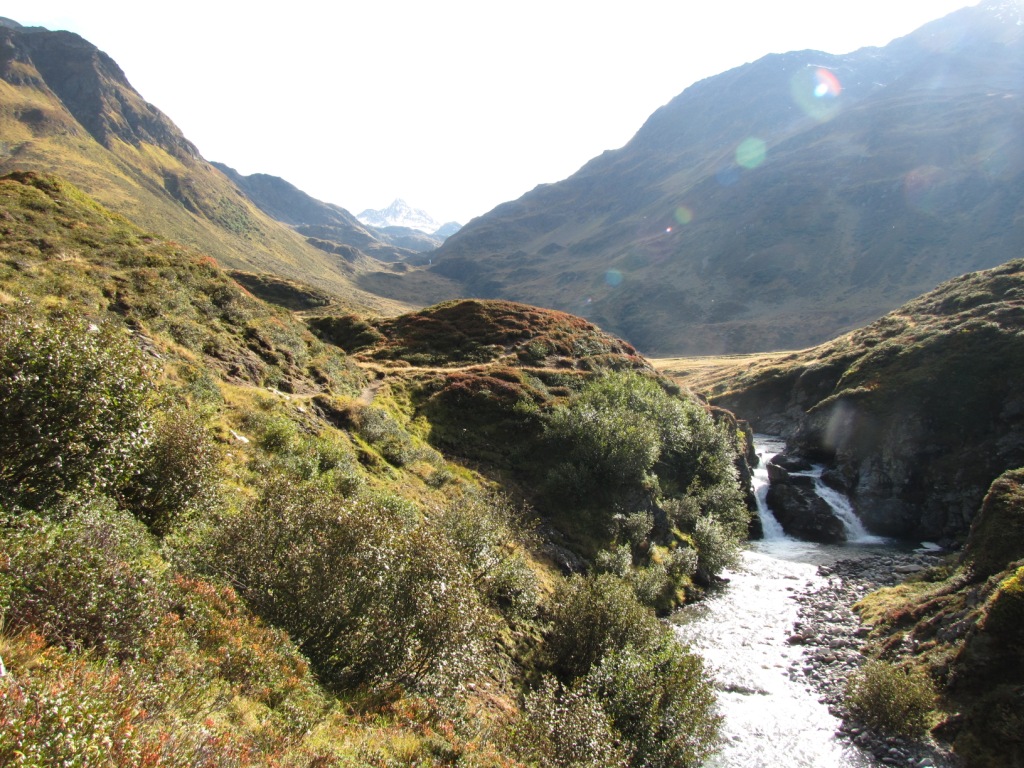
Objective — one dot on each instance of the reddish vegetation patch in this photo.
(501, 385)
(473, 330)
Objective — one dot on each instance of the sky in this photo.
(454, 106)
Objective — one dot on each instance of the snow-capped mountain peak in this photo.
(400, 214)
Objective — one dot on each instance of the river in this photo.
(772, 718)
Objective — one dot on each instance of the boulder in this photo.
(781, 469)
(804, 514)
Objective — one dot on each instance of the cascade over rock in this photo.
(914, 415)
(797, 506)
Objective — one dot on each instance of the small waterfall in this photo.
(766, 448)
(856, 533)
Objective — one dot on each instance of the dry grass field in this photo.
(711, 374)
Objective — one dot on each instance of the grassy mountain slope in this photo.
(257, 549)
(66, 108)
(780, 203)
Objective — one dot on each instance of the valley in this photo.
(281, 487)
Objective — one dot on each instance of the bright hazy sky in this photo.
(453, 105)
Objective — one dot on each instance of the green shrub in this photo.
(603, 438)
(178, 472)
(891, 698)
(487, 532)
(653, 581)
(87, 583)
(623, 433)
(592, 616)
(661, 700)
(717, 546)
(74, 408)
(368, 592)
(273, 431)
(566, 727)
(381, 430)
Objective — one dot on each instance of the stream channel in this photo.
(772, 717)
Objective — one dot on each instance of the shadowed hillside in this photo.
(918, 412)
(780, 203)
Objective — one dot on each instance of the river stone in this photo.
(804, 514)
(791, 463)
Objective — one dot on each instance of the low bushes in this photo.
(567, 727)
(76, 404)
(368, 592)
(178, 472)
(660, 700)
(87, 583)
(591, 616)
(891, 698)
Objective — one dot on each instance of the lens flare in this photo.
(613, 278)
(816, 91)
(750, 153)
(683, 215)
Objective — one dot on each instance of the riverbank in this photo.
(830, 636)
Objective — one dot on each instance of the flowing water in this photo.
(771, 719)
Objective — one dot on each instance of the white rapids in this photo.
(771, 720)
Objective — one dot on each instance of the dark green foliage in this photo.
(717, 547)
(662, 702)
(891, 698)
(368, 592)
(487, 532)
(88, 582)
(611, 435)
(591, 616)
(74, 407)
(567, 727)
(178, 472)
(623, 430)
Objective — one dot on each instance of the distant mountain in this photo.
(401, 214)
(782, 202)
(325, 225)
(67, 108)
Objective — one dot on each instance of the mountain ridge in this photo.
(870, 177)
(66, 107)
(400, 214)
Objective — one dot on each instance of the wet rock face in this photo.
(797, 506)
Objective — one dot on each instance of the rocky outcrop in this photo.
(965, 625)
(797, 506)
(914, 415)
